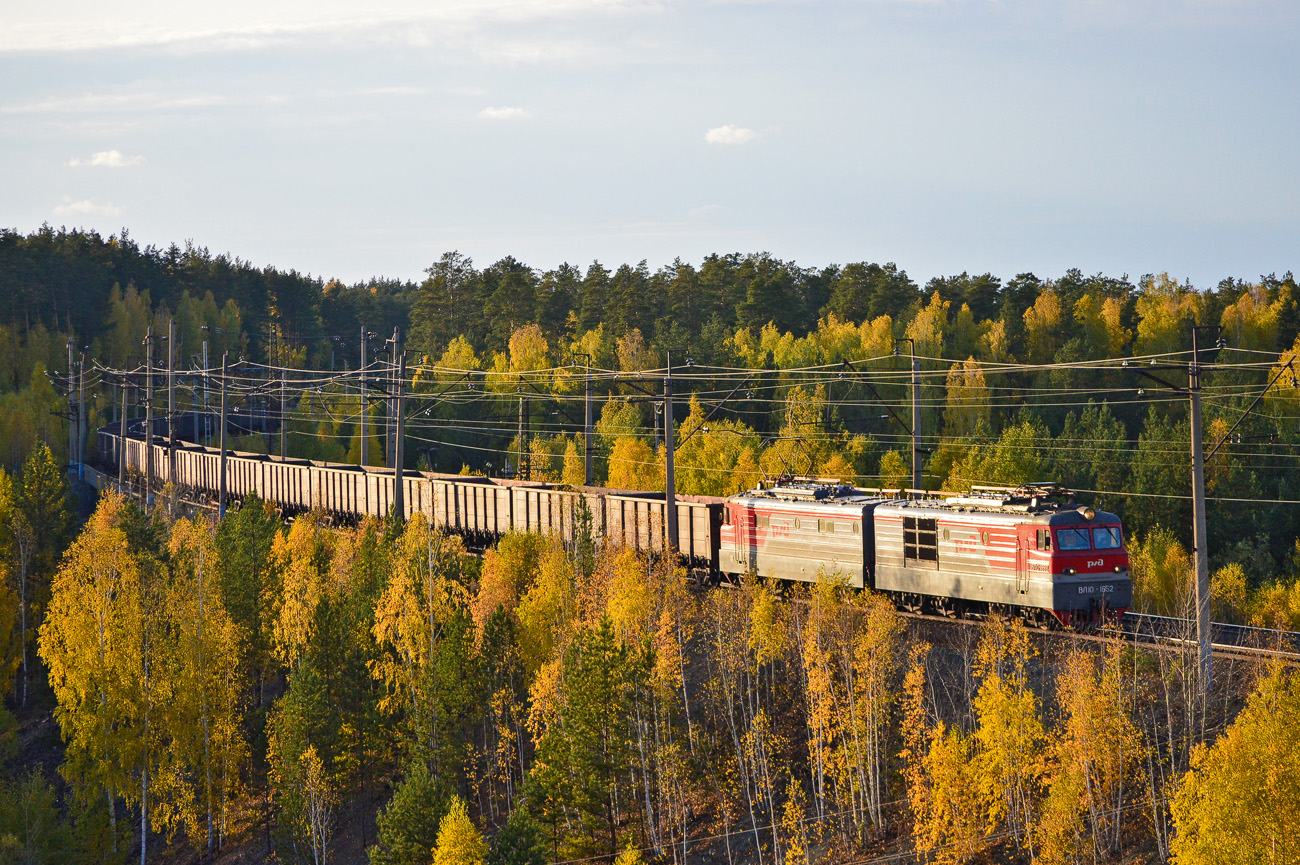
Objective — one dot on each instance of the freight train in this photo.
(1029, 551)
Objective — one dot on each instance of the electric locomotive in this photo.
(1030, 550)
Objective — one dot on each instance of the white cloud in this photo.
(115, 103)
(504, 112)
(107, 159)
(87, 207)
(705, 212)
(729, 134)
(254, 24)
(392, 91)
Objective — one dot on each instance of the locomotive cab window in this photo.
(920, 542)
(826, 527)
(764, 522)
(1073, 539)
(726, 516)
(1106, 539)
(1044, 538)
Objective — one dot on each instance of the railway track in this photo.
(1227, 639)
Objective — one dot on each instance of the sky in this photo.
(352, 141)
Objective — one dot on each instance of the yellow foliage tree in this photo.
(204, 715)
(633, 465)
(302, 557)
(421, 597)
(894, 471)
(1043, 327)
(943, 781)
(630, 856)
(1253, 321)
(1165, 311)
(1240, 800)
(633, 354)
(994, 344)
(968, 411)
(628, 597)
(1093, 756)
(1229, 593)
(1161, 570)
(547, 608)
(508, 569)
(459, 841)
(1102, 323)
(928, 327)
(575, 466)
(1009, 731)
(711, 457)
(103, 642)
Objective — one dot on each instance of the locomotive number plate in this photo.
(1095, 590)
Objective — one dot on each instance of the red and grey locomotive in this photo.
(1029, 550)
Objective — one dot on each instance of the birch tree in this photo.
(203, 716)
(1092, 762)
(103, 646)
(1009, 731)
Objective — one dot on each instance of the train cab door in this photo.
(1022, 562)
(736, 516)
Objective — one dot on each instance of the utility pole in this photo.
(121, 442)
(589, 472)
(390, 433)
(670, 480)
(917, 459)
(520, 471)
(1201, 552)
(916, 421)
(365, 448)
(207, 380)
(148, 417)
(399, 406)
(221, 483)
(284, 401)
(81, 418)
(171, 401)
(72, 412)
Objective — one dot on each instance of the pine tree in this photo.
(43, 501)
(584, 755)
(408, 825)
(518, 842)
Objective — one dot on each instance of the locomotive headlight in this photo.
(1069, 572)
(1119, 569)
(1087, 513)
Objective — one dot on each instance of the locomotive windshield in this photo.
(1106, 539)
(1073, 539)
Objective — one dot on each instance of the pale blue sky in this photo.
(1125, 137)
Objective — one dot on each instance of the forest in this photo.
(312, 693)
